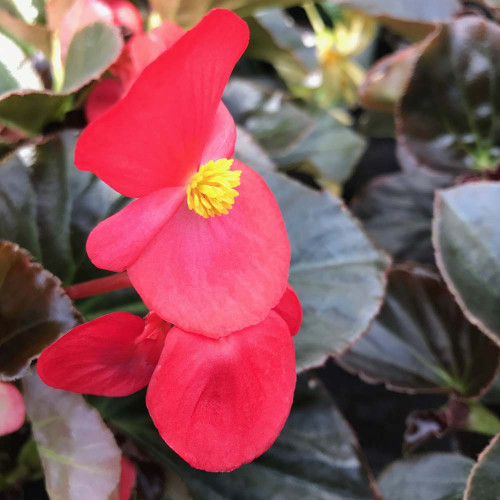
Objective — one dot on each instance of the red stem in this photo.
(98, 286)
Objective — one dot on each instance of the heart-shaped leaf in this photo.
(466, 237)
(421, 341)
(315, 456)
(484, 481)
(80, 457)
(433, 476)
(448, 117)
(396, 211)
(91, 51)
(337, 273)
(34, 310)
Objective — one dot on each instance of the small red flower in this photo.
(205, 244)
(140, 51)
(12, 409)
(219, 403)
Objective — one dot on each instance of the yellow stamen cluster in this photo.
(211, 191)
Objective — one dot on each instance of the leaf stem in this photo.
(98, 286)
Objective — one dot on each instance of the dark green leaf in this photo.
(337, 272)
(80, 457)
(34, 310)
(484, 480)
(396, 211)
(31, 111)
(92, 201)
(50, 180)
(434, 476)
(91, 51)
(448, 117)
(330, 149)
(18, 206)
(421, 341)
(279, 125)
(466, 236)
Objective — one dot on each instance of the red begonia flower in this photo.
(218, 403)
(140, 51)
(114, 355)
(12, 409)
(127, 479)
(205, 244)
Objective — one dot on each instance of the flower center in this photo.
(211, 191)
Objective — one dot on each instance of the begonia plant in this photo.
(248, 249)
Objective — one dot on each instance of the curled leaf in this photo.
(34, 310)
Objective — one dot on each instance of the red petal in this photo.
(219, 275)
(102, 357)
(103, 96)
(154, 137)
(117, 242)
(290, 310)
(221, 403)
(126, 14)
(222, 139)
(12, 409)
(127, 479)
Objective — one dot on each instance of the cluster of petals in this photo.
(205, 246)
(210, 276)
(218, 403)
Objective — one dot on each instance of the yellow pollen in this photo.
(211, 190)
